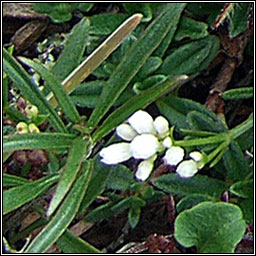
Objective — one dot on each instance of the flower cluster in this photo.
(143, 139)
(31, 112)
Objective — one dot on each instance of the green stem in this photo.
(215, 152)
(202, 141)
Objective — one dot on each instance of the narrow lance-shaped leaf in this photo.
(76, 154)
(134, 59)
(64, 101)
(23, 82)
(16, 197)
(99, 55)
(65, 214)
(73, 51)
(96, 185)
(69, 243)
(12, 180)
(139, 101)
(37, 141)
(199, 184)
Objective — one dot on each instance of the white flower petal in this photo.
(125, 132)
(142, 122)
(144, 146)
(161, 125)
(116, 153)
(167, 142)
(187, 169)
(198, 157)
(174, 155)
(144, 170)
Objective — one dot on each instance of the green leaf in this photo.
(199, 184)
(211, 227)
(246, 140)
(64, 216)
(149, 82)
(96, 185)
(15, 114)
(190, 58)
(59, 12)
(134, 216)
(76, 155)
(134, 59)
(235, 163)
(106, 23)
(190, 201)
(70, 243)
(13, 181)
(238, 93)
(202, 122)
(239, 19)
(247, 206)
(143, 8)
(15, 197)
(128, 202)
(100, 213)
(37, 141)
(150, 66)
(137, 102)
(85, 7)
(189, 28)
(243, 188)
(56, 87)
(87, 94)
(72, 53)
(99, 55)
(120, 178)
(29, 90)
(162, 48)
(175, 109)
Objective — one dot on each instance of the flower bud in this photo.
(198, 157)
(187, 169)
(125, 132)
(116, 153)
(31, 111)
(167, 142)
(22, 128)
(33, 128)
(161, 125)
(174, 155)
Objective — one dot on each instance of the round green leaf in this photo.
(211, 227)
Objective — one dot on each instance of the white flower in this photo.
(116, 153)
(161, 125)
(145, 168)
(144, 146)
(167, 142)
(174, 155)
(142, 122)
(125, 132)
(187, 168)
(198, 157)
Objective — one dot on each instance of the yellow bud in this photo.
(31, 111)
(33, 128)
(22, 128)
